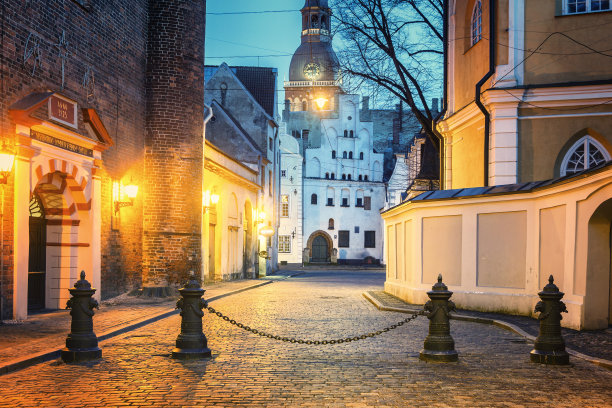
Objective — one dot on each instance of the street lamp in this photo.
(7, 158)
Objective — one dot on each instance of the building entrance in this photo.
(319, 249)
(37, 265)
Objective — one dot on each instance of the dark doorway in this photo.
(319, 249)
(37, 265)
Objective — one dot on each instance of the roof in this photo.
(259, 81)
(506, 188)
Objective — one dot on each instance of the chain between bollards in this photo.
(314, 342)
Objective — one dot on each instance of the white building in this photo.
(291, 200)
(343, 190)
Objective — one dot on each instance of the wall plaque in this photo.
(62, 144)
(63, 111)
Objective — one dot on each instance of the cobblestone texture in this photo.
(43, 332)
(247, 370)
(594, 343)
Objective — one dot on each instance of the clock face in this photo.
(312, 70)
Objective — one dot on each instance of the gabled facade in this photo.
(252, 120)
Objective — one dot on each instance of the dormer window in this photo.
(476, 23)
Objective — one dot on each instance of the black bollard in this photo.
(81, 343)
(191, 342)
(439, 345)
(549, 345)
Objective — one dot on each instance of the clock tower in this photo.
(314, 74)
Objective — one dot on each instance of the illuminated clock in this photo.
(312, 70)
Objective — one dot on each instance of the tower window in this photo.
(313, 199)
(344, 155)
(476, 23)
(326, 175)
(350, 155)
(343, 176)
(333, 176)
(333, 154)
(361, 156)
(351, 134)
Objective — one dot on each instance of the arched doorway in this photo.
(320, 245)
(599, 268)
(37, 258)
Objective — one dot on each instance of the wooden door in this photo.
(37, 263)
(319, 249)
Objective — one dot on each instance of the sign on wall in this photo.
(63, 111)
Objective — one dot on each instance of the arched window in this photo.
(348, 176)
(346, 197)
(361, 156)
(333, 176)
(350, 155)
(343, 176)
(330, 224)
(360, 177)
(365, 177)
(304, 106)
(476, 23)
(346, 133)
(333, 154)
(586, 153)
(314, 20)
(326, 175)
(344, 155)
(351, 134)
(313, 199)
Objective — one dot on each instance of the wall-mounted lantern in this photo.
(266, 231)
(261, 217)
(131, 191)
(7, 158)
(210, 200)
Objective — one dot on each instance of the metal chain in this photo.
(313, 342)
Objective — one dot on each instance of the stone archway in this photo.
(598, 302)
(318, 239)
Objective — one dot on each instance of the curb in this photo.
(53, 354)
(499, 323)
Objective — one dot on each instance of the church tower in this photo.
(314, 74)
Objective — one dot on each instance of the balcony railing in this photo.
(304, 84)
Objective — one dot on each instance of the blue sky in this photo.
(253, 39)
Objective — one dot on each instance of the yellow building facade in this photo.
(527, 164)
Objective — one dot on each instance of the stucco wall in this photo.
(503, 248)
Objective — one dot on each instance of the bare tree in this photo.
(394, 48)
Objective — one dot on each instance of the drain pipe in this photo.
(202, 245)
(488, 75)
(444, 106)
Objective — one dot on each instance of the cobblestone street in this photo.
(248, 370)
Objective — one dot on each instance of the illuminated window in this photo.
(585, 6)
(284, 205)
(583, 155)
(476, 24)
(284, 243)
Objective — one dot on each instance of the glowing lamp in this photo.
(262, 216)
(7, 158)
(320, 102)
(210, 200)
(214, 199)
(131, 190)
(266, 231)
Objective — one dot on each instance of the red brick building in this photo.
(94, 96)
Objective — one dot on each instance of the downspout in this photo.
(444, 106)
(202, 226)
(487, 115)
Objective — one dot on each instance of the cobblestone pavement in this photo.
(594, 343)
(47, 331)
(248, 370)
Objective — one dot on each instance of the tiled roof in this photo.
(506, 188)
(259, 81)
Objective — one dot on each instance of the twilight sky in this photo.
(266, 39)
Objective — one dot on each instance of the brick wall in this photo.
(110, 40)
(173, 154)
